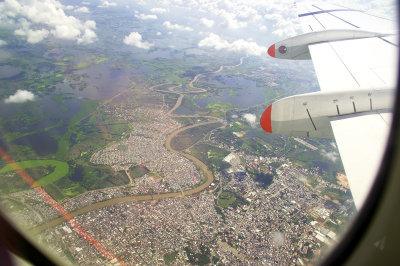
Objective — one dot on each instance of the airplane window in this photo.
(134, 132)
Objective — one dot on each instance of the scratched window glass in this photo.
(136, 132)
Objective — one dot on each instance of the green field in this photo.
(220, 105)
(309, 159)
(61, 169)
(230, 199)
(137, 171)
(84, 177)
(186, 121)
(210, 155)
(336, 194)
(188, 102)
(88, 106)
(187, 138)
(202, 258)
(88, 131)
(170, 258)
(90, 60)
(260, 177)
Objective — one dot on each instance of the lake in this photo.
(239, 91)
(7, 71)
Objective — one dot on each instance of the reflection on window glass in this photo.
(129, 133)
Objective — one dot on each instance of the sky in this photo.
(235, 25)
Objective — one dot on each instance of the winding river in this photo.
(197, 162)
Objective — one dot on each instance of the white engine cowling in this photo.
(309, 115)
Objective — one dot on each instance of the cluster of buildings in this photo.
(287, 222)
(284, 223)
(139, 232)
(146, 146)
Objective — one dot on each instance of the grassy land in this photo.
(220, 106)
(230, 199)
(261, 178)
(336, 194)
(202, 258)
(55, 192)
(10, 136)
(189, 103)
(59, 99)
(311, 159)
(61, 169)
(190, 136)
(170, 258)
(88, 106)
(90, 60)
(186, 121)
(210, 155)
(137, 171)
(83, 177)
(88, 131)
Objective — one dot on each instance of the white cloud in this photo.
(253, 14)
(333, 156)
(2, 42)
(35, 36)
(231, 22)
(32, 36)
(135, 39)
(242, 46)
(169, 2)
(251, 119)
(146, 17)
(207, 22)
(169, 25)
(158, 33)
(20, 96)
(67, 32)
(158, 10)
(88, 37)
(36, 19)
(105, 3)
(247, 13)
(287, 26)
(82, 9)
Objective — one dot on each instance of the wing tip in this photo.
(265, 120)
(271, 50)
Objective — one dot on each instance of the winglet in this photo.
(271, 50)
(265, 120)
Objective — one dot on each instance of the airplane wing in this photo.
(355, 59)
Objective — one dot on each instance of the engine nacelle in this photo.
(309, 115)
(297, 47)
